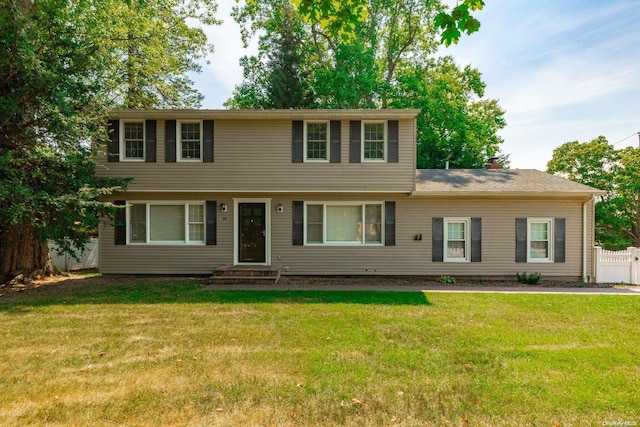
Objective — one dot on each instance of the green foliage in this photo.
(459, 21)
(598, 164)
(529, 279)
(446, 279)
(388, 62)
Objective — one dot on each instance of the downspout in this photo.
(584, 239)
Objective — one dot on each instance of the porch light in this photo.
(223, 207)
(280, 208)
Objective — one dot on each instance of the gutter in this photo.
(584, 239)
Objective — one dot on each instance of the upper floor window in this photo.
(190, 141)
(132, 140)
(540, 240)
(456, 239)
(374, 141)
(344, 223)
(316, 141)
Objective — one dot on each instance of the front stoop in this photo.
(246, 274)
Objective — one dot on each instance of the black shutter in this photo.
(150, 141)
(212, 221)
(297, 141)
(298, 223)
(437, 229)
(389, 223)
(559, 240)
(207, 140)
(335, 140)
(392, 141)
(476, 239)
(170, 141)
(113, 146)
(355, 142)
(120, 226)
(521, 239)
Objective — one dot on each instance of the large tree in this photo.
(63, 64)
(387, 61)
(598, 164)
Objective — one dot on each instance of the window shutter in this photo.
(297, 142)
(120, 226)
(170, 141)
(355, 152)
(559, 240)
(211, 231)
(335, 140)
(207, 140)
(113, 146)
(298, 223)
(150, 141)
(392, 141)
(437, 225)
(521, 239)
(476, 239)
(389, 223)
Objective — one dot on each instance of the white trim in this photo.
(384, 136)
(304, 191)
(550, 239)
(122, 145)
(179, 124)
(327, 142)
(267, 230)
(467, 239)
(362, 241)
(149, 242)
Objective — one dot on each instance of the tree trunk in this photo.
(22, 251)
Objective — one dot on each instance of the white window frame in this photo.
(123, 145)
(362, 241)
(384, 136)
(148, 204)
(179, 140)
(327, 142)
(550, 238)
(467, 239)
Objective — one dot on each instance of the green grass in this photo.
(172, 354)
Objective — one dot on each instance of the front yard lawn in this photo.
(151, 353)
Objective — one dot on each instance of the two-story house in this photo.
(327, 192)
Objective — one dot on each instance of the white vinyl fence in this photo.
(88, 258)
(617, 266)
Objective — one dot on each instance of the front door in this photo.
(252, 232)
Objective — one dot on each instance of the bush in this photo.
(529, 279)
(446, 279)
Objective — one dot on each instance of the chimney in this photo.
(493, 163)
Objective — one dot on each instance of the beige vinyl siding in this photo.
(408, 257)
(255, 155)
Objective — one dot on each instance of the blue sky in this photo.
(563, 70)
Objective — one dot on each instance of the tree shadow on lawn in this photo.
(179, 290)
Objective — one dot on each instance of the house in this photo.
(327, 192)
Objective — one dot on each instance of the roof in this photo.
(497, 182)
(291, 114)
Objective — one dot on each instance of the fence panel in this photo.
(88, 259)
(617, 266)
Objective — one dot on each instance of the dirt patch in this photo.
(71, 282)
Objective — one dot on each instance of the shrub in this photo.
(529, 279)
(446, 279)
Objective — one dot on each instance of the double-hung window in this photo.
(166, 223)
(344, 224)
(316, 141)
(456, 239)
(374, 141)
(190, 141)
(132, 138)
(540, 239)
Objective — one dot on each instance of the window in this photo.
(540, 239)
(344, 224)
(132, 141)
(316, 139)
(190, 141)
(456, 239)
(374, 141)
(166, 223)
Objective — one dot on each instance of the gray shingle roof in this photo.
(497, 181)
